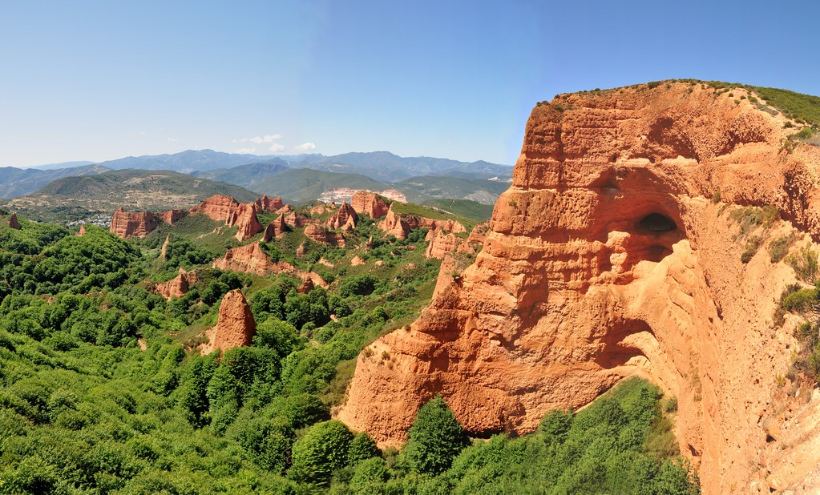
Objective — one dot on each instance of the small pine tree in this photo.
(436, 438)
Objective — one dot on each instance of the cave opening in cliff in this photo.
(657, 223)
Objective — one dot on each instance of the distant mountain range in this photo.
(21, 181)
(297, 178)
(78, 197)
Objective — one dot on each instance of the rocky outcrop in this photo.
(177, 286)
(369, 203)
(126, 224)
(269, 205)
(612, 254)
(276, 229)
(81, 232)
(344, 218)
(441, 244)
(13, 222)
(235, 326)
(393, 224)
(399, 225)
(320, 234)
(218, 207)
(295, 220)
(221, 208)
(171, 217)
(251, 259)
(245, 220)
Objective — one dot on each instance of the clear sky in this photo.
(94, 80)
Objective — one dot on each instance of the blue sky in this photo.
(94, 80)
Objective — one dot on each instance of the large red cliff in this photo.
(616, 252)
(127, 224)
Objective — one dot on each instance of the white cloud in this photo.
(264, 139)
(277, 147)
(305, 147)
(246, 151)
(172, 140)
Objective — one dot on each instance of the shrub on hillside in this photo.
(322, 450)
(435, 438)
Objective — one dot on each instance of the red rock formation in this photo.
(177, 286)
(218, 207)
(235, 326)
(344, 217)
(393, 224)
(269, 205)
(369, 203)
(245, 220)
(13, 222)
(294, 220)
(310, 280)
(399, 225)
(606, 258)
(320, 234)
(171, 217)
(276, 229)
(125, 224)
(251, 259)
(441, 244)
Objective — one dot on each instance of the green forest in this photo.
(103, 390)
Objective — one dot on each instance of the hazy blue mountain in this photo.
(246, 175)
(300, 185)
(420, 189)
(388, 167)
(16, 182)
(54, 166)
(185, 161)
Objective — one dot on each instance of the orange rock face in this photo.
(276, 229)
(245, 220)
(235, 326)
(294, 220)
(177, 286)
(221, 208)
(125, 224)
(369, 203)
(345, 217)
(269, 205)
(171, 217)
(393, 224)
(608, 258)
(251, 259)
(218, 207)
(320, 234)
(399, 225)
(441, 244)
(13, 222)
